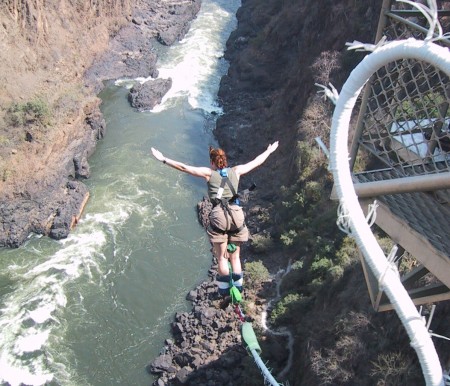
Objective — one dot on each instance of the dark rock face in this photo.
(204, 207)
(131, 55)
(52, 206)
(144, 97)
(131, 52)
(206, 348)
(178, 21)
(76, 193)
(55, 214)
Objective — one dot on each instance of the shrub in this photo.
(288, 309)
(29, 113)
(313, 191)
(262, 242)
(324, 65)
(321, 265)
(327, 367)
(256, 273)
(297, 265)
(5, 174)
(347, 253)
(392, 368)
(288, 238)
(282, 307)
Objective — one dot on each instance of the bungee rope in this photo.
(248, 334)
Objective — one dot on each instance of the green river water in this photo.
(95, 308)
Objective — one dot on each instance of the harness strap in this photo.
(224, 203)
(226, 181)
(230, 232)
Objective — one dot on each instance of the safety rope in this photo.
(248, 334)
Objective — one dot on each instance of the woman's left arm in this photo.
(248, 167)
(192, 170)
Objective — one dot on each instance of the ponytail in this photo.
(218, 158)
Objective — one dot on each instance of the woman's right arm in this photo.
(248, 167)
(192, 170)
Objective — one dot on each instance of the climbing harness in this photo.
(226, 202)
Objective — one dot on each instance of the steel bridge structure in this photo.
(400, 157)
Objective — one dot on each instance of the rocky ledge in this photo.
(206, 347)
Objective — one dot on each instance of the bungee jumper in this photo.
(226, 220)
(227, 230)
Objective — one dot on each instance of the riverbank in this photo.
(50, 119)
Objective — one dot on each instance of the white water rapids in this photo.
(95, 308)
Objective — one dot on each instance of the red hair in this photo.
(218, 157)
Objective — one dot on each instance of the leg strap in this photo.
(223, 283)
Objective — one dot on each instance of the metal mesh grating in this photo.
(406, 122)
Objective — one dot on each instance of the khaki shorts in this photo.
(220, 219)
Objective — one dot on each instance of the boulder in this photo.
(144, 97)
(161, 364)
(204, 208)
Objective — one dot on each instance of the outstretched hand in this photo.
(157, 154)
(272, 147)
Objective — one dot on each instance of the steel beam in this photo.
(424, 183)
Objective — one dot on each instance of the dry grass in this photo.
(42, 63)
(324, 65)
(392, 368)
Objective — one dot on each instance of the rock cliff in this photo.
(55, 56)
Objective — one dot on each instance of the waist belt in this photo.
(229, 232)
(224, 201)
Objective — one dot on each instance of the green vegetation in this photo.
(5, 174)
(284, 308)
(256, 273)
(421, 107)
(34, 112)
(262, 242)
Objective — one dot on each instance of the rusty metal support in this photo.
(385, 7)
(424, 183)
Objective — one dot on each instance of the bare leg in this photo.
(236, 260)
(220, 250)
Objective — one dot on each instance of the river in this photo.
(94, 309)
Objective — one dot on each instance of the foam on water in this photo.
(32, 313)
(196, 64)
(40, 277)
